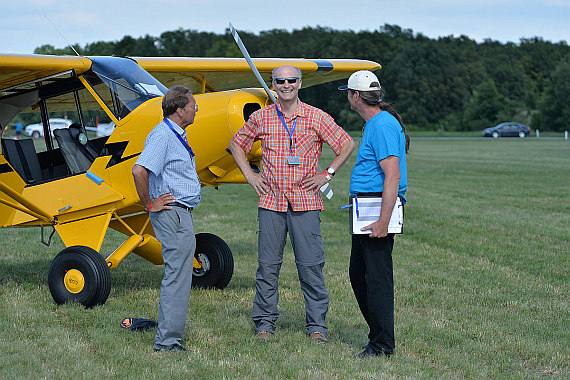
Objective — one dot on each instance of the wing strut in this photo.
(250, 63)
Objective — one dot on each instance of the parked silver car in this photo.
(508, 129)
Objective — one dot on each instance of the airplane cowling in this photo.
(219, 117)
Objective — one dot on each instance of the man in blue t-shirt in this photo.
(380, 170)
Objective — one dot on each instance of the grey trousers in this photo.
(175, 230)
(305, 233)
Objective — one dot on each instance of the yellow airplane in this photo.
(81, 186)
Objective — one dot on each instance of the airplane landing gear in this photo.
(216, 260)
(79, 274)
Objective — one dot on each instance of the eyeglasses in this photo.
(195, 106)
(282, 80)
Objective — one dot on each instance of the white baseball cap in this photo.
(361, 81)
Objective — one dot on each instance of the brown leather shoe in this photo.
(318, 337)
(263, 335)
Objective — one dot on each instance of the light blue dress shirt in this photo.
(171, 168)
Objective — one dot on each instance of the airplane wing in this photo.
(221, 74)
(200, 74)
(17, 69)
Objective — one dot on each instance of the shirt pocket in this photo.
(306, 144)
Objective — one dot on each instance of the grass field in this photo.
(481, 277)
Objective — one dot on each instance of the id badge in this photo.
(293, 160)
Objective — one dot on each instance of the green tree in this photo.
(555, 111)
(223, 48)
(51, 50)
(483, 107)
(449, 83)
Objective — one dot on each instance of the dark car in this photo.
(508, 129)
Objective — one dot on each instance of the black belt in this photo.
(176, 204)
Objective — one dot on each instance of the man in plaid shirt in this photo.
(291, 134)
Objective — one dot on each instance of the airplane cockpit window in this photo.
(128, 84)
(52, 107)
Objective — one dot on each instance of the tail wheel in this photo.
(217, 262)
(79, 274)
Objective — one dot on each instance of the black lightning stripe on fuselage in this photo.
(5, 168)
(116, 150)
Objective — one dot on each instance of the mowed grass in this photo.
(481, 280)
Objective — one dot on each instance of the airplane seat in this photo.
(76, 149)
(21, 154)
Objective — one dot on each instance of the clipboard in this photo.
(365, 210)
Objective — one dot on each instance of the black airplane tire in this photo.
(79, 274)
(215, 253)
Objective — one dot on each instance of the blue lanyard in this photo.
(182, 140)
(287, 129)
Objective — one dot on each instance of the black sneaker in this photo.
(369, 352)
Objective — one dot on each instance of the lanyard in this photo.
(182, 140)
(287, 129)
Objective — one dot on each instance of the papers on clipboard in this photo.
(366, 210)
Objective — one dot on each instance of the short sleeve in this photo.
(153, 156)
(331, 133)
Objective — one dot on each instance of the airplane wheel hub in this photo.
(203, 260)
(74, 281)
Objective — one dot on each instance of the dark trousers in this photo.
(372, 281)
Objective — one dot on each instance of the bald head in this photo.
(279, 72)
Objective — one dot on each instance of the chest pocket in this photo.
(307, 144)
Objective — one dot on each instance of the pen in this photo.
(343, 207)
(356, 203)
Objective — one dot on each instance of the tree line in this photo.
(448, 83)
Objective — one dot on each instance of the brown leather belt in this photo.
(176, 204)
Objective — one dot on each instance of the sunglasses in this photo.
(282, 80)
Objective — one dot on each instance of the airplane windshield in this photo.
(130, 84)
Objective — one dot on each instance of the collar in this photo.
(181, 131)
(299, 111)
(373, 117)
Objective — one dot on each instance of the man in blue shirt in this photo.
(380, 170)
(169, 188)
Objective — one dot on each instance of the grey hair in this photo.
(176, 97)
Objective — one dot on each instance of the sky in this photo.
(27, 24)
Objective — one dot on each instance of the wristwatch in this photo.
(331, 171)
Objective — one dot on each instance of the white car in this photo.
(37, 130)
(105, 129)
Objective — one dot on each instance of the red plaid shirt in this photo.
(313, 127)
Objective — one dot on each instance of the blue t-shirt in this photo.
(383, 137)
